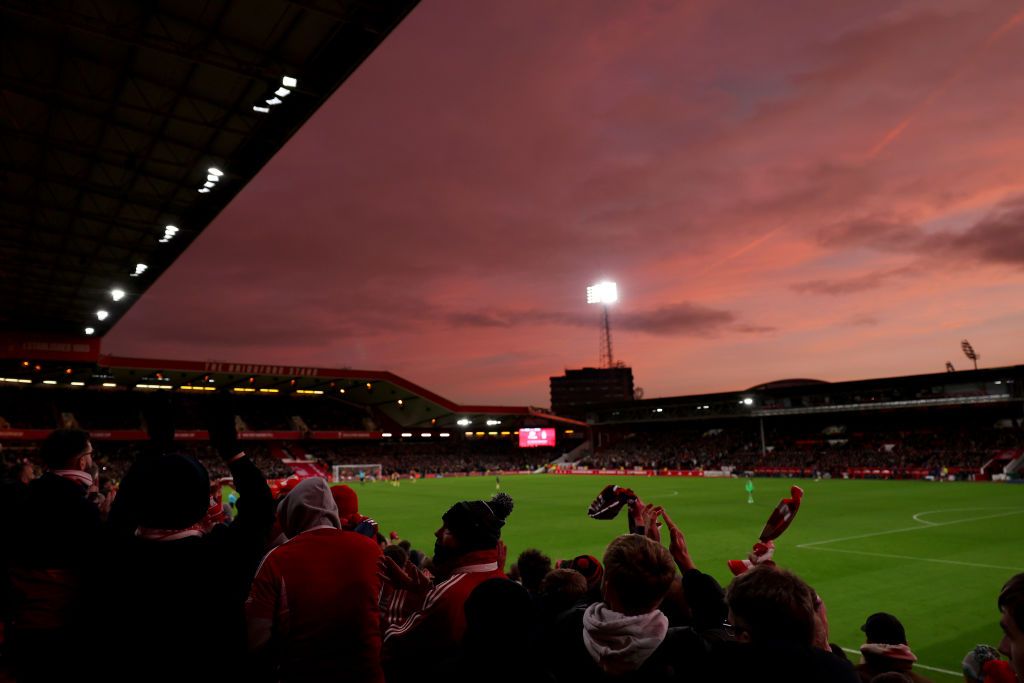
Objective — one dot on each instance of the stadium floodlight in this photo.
(748, 401)
(208, 184)
(90, 330)
(289, 82)
(213, 178)
(492, 423)
(262, 110)
(274, 100)
(282, 92)
(604, 292)
(203, 190)
(214, 171)
(426, 435)
(117, 294)
(969, 351)
(101, 314)
(406, 435)
(464, 422)
(401, 402)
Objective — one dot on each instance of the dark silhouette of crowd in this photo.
(153, 581)
(833, 450)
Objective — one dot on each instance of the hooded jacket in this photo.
(312, 612)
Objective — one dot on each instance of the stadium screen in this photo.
(536, 436)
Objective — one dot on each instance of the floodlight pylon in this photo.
(969, 351)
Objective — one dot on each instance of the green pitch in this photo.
(933, 554)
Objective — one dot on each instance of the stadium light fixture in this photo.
(464, 422)
(208, 184)
(213, 170)
(101, 314)
(109, 385)
(140, 268)
(274, 101)
(282, 92)
(203, 190)
(492, 423)
(262, 110)
(341, 391)
(49, 381)
(117, 294)
(90, 330)
(444, 435)
(748, 401)
(604, 292)
(78, 384)
(213, 178)
(386, 435)
(406, 435)
(400, 402)
(426, 435)
(289, 81)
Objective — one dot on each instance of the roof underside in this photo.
(112, 112)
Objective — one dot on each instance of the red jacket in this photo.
(315, 598)
(435, 630)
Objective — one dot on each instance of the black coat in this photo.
(176, 608)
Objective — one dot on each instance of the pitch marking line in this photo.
(919, 515)
(918, 559)
(909, 528)
(917, 665)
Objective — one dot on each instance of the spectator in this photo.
(58, 531)
(1011, 607)
(886, 649)
(625, 636)
(560, 590)
(591, 569)
(176, 587)
(772, 613)
(500, 627)
(533, 567)
(983, 665)
(312, 612)
(467, 552)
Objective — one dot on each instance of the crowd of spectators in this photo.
(831, 451)
(307, 588)
(454, 456)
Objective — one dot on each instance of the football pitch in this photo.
(933, 554)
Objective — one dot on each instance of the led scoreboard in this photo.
(531, 437)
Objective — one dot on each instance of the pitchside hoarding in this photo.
(531, 437)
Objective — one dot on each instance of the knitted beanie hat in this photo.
(476, 523)
(174, 492)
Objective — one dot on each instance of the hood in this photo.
(620, 643)
(308, 506)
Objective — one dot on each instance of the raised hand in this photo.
(650, 516)
(677, 545)
(408, 577)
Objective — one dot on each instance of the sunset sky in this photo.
(832, 190)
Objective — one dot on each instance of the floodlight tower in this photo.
(604, 293)
(970, 352)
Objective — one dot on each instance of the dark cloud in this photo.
(853, 285)
(681, 318)
(862, 321)
(875, 232)
(996, 238)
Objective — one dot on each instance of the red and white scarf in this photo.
(201, 528)
(77, 476)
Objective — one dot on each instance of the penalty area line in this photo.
(911, 557)
(919, 527)
(917, 665)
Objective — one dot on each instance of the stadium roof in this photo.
(113, 115)
(50, 361)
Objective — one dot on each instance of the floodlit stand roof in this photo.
(121, 120)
